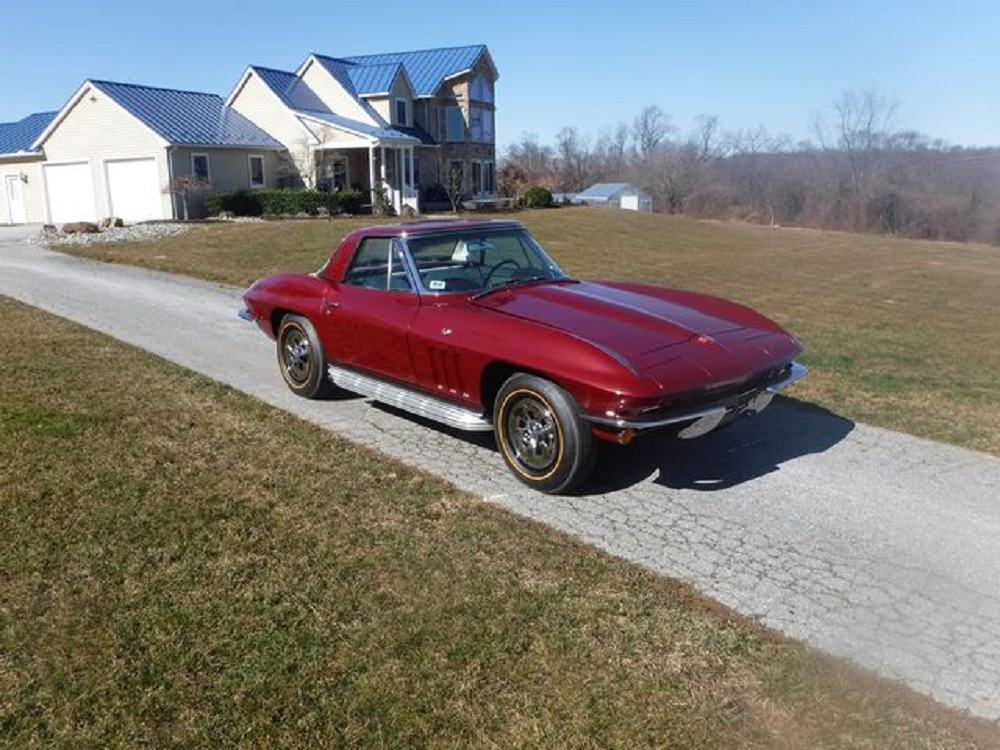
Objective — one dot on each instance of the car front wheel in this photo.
(300, 358)
(541, 436)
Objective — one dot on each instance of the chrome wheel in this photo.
(300, 358)
(540, 434)
(296, 355)
(532, 433)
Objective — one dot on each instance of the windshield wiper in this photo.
(524, 281)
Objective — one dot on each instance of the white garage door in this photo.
(134, 189)
(70, 191)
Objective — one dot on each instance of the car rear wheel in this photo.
(541, 435)
(300, 358)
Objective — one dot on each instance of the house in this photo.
(20, 166)
(119, 149)
(390, 124)
(616, 195)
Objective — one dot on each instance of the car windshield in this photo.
(480, 259)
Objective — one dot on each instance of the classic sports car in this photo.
(471, 324)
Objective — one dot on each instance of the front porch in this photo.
(387, 172)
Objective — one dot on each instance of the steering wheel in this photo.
(497, 267)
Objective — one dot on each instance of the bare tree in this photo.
(610, 155)
(755, 168)
(534, 163)
(707, 138)
(574, 160)
(650, 128)
(451, 174)
(187, 186)
(859, 135)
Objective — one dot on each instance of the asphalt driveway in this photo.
(871, 545)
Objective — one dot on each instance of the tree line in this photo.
(859, 172)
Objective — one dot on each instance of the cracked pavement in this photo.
(871, 545)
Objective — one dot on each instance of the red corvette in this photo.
(471, 324)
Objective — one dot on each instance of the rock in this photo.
(80, 227)
(111, 221)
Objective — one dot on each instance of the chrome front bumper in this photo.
(705, 420)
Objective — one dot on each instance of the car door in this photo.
(369, 313)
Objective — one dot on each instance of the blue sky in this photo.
(585, 64)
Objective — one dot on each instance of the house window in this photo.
(481, 124)
(480, 89)
(199, 166)
(482, 178)
(256, 171)
(456, 125)
(401, 118)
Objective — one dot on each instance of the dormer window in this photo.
(401, 115)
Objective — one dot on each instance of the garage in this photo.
(134, 189)
(69, 189)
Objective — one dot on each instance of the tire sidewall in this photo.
(574, 458)
(313, 385)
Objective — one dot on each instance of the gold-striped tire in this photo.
(541, 435)
(300, 358)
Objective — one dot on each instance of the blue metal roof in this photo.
(364, 128)
(339, 70)
(17, 137)
(187, 118)
(427, 68)
(373, 79)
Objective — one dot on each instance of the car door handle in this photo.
(329, 305)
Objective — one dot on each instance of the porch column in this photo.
(413, 194)
(401, 178)
(371, 176)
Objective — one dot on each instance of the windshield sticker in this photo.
(436, 285)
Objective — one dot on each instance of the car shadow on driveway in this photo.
(744, 451)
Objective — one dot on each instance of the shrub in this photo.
(538, 197)
(241, 203)
(350, 201)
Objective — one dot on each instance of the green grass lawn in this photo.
(899, 333)
(183, 566)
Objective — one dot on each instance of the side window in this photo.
(378, 264)
(199, 167)
(256, 171)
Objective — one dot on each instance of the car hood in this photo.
(649, 331)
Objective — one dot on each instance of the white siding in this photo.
(260, 105)
(32, 190)
(382, 105)
(333, 94)
(229, 168)
(96, 130)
